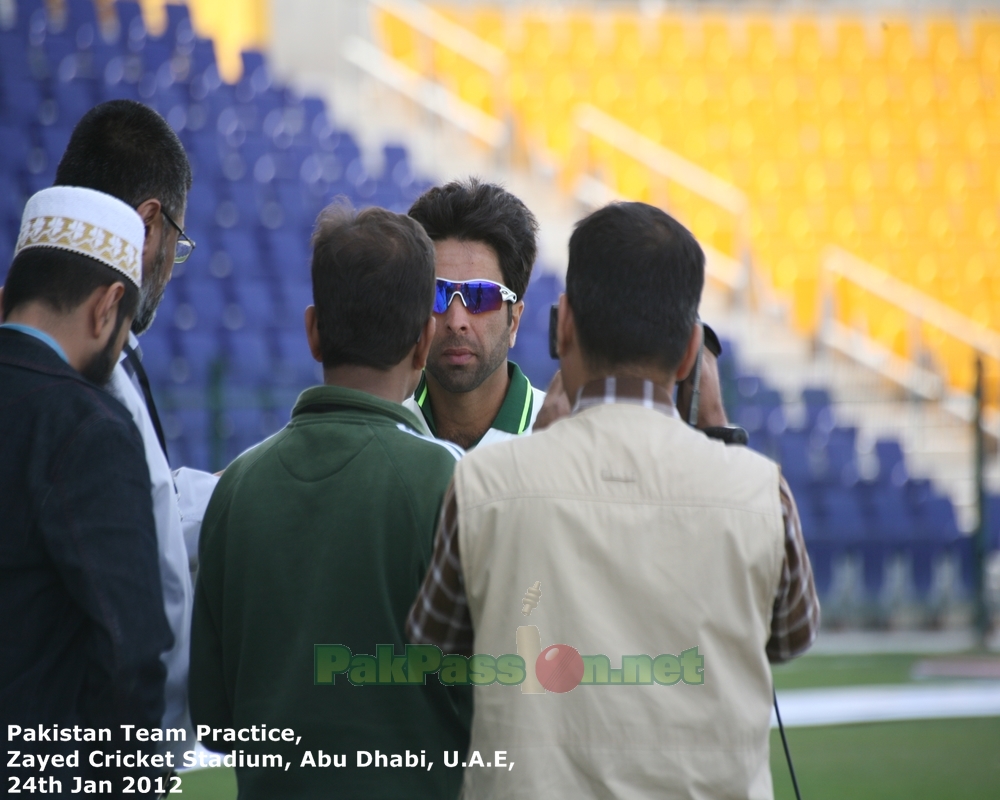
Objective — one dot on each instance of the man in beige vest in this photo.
(671, 567)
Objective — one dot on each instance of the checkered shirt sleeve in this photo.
(795, 619)
(440, 614)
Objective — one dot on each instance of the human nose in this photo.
(456, 316)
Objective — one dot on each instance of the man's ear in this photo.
(104, 308)
(566, 328)
(690, 352)
(312, 334)
(516, 310)
(423, 346)
(150, 210)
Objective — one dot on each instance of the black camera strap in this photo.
(784, 742)
(696, 388)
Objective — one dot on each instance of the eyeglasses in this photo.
(185, 244)
(477, 295)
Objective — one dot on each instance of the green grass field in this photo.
(923, 760)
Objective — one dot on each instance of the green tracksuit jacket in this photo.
(322, 534)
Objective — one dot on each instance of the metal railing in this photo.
(736, 273)
(422, 86)
(922, 310)
(430, 95)
(440, 29)
(593, 193)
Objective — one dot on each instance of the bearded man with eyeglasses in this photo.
(485, 246)
(127, 150)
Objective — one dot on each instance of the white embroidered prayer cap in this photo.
(90, 223)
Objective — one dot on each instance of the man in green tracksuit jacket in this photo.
(321, 535)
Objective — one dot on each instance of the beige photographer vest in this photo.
(648, 538)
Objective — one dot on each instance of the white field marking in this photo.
(852, 704)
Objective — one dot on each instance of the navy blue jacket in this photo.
(82, 625)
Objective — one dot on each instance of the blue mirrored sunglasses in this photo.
(477, 295)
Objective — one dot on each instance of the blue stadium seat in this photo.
(74, 99)
(295, 365)
(841, 456)
(821, 555)
(936, 520)
(21, 100)
(252, 60)
(178, 20)
(208, 300)
(793, 455)
(298, 202)
(248, 359)
(203, 57)
(157, 354)
(55, 140)
(80, 12)
(58, 47)
(26, 11)
(843, 518)
(129, 18)
(290, 256)
(13, 55)
(891, 465)
(295, 298)
(890, 514)
(15, 144)
(202, 202)
(818, 408)
(241, 247)
(187, 432)
(875, 555)
(257, 300)
(200, 355)
(118, 90)
(37, 181)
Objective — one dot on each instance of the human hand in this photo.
(711, 412)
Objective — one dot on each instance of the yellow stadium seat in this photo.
(986, 43)
(898, 51)
(852, 45)
(488, 24)
(883, 139)
(944, 45)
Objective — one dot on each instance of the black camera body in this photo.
(729, 434)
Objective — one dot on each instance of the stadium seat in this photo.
(843, 519)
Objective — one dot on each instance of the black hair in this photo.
(62, 280)
(127, 150)
(634, 282)
(473, 211)
(373, 285)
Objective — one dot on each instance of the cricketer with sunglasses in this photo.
(127, 150)
(485, 247)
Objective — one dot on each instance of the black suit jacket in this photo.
(83, 625)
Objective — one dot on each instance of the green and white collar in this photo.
(515, 418)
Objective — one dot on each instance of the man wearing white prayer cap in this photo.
(127, 150)
(84, 625)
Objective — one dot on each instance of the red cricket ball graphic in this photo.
(559, 668)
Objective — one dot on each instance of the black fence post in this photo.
(982, 620)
